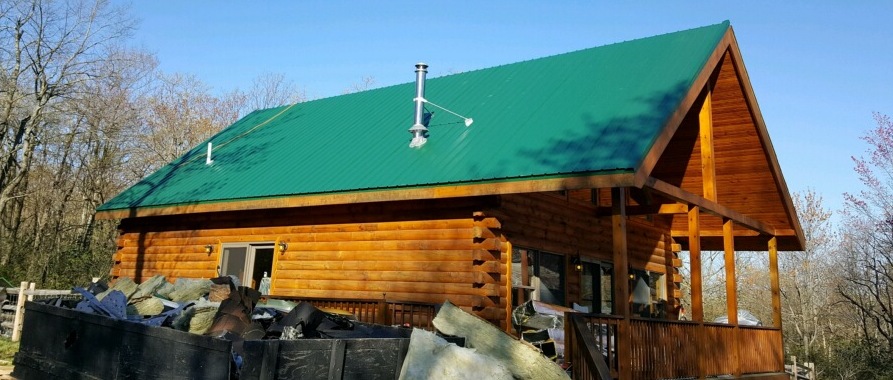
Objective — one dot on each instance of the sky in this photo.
(819, 69)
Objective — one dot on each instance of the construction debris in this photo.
(524, 361)
(432, 357)
(266, 339)
(542, 324)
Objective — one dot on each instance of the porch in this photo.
(662, 349)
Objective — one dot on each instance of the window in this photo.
(248, 262)
(648, 293)
(542, 272)
(597, 287)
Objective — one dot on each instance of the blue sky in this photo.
(819, 69)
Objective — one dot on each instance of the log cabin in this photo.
(572, 179)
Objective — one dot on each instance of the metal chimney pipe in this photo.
(418, 129)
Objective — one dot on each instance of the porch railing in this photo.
(661, 349)
(409, 314)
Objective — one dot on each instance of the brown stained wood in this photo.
(731, 283)
(694, 249)
(170, 274)
(732, 294)
(163, 265)
(671, 263)
(507, 264)
(458, 299)
(285, 282)
(697, 307)
(774, 282)
(257, 234)
(191, 227)
(708, 166)
(383, 275)
(436, 192)
(286, 265)
(621, 283)
(708, 205)
(482, 232)
(670, 129)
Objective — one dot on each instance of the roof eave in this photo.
(572, 182)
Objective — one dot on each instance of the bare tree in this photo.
(807, 275)
(867, 284)
(48, 51)
(271, 90)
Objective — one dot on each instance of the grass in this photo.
(8, 349)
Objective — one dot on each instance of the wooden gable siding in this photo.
(419, 251)
(570, 227)
(745, 180)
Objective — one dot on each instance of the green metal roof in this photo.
(591, 111)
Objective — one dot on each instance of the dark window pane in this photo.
(551, 273)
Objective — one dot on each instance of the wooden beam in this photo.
(773, 280)
(732, 293)
(697, 290)
(383, 195)
(669, 276)
(694, 249)
(621, 281)
(708, 162)
(740, 232)
(660, 209)
(707, 205)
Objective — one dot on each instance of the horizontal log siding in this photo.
(557, 224)
(423, 251)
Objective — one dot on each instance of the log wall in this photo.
(422, 251)
(570, 226)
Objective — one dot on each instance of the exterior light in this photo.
(578, 265)
(209, 248)
(283, 246)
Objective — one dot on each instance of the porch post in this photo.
(773, 279)
(697, 303)
(728, 240)
(621, 282)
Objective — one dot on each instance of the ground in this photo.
(7, 350)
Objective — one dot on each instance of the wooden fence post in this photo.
(20, 313)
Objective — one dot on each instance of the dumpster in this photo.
(62, 343)
(66, 344)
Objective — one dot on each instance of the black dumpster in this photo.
(364, 358)
(60, 343)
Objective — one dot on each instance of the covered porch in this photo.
(622, 345)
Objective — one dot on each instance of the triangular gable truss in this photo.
(716, 153)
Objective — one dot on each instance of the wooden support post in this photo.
(382, 311)
(708, 161)
(621, 282)
(697, 290)
(20, 313)
(507, 256)
(773, 280)
(694, 250)
(669, 277)
(728, 240)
